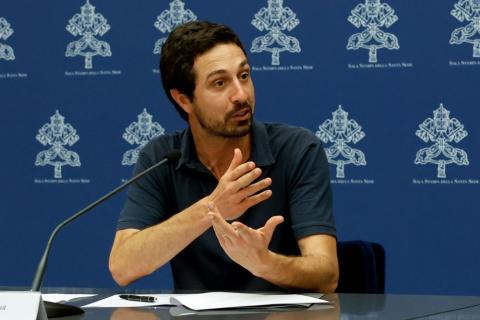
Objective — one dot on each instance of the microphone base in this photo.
(56, 310)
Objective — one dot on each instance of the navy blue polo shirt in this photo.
(292, 157)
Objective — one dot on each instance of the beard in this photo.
(228, 127)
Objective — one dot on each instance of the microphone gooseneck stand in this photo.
(61, 310)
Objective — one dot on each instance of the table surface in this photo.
(342, 307)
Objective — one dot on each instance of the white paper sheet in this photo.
(59, 297)
(224, 300)
(210, 300)
(116, 302)
(182, 311)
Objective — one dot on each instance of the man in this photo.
(248, 205)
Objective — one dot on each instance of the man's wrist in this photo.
(201, 211)
(268, 262)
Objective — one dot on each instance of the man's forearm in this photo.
(313, 272)
(316, 269)
(145, 251)
(138, 253)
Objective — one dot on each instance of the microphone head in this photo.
(173, 155)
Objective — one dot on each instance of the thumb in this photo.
(270, 227)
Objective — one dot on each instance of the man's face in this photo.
(224, 99)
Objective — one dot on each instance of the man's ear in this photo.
(182, 100)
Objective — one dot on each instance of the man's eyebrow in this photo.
(216, 72)
(222, 71)
(243, 63)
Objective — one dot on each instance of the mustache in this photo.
(239, 107)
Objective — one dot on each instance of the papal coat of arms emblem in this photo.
(441, 130)
(139, 133)
(372, 16)
(88, 25)
(57, 134)
(6, 51)
(341, 132)
(276, 20)
(169, 19)
(469, 11)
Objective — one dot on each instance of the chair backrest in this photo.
(362, 267)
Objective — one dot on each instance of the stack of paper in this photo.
(228, 300)
(213, 301)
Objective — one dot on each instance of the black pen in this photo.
(133, 297)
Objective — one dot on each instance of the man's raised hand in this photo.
(237, 190)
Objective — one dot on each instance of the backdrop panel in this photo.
(388, 86)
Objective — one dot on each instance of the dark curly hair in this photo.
(183, 45)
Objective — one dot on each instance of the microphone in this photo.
(61, 310)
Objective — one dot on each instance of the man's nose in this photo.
(239, 94)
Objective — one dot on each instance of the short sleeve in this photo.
(146, 203)
(310, 192)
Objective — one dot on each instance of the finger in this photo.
(236, 160)
(221, 225)
(212, 214)
(241, 170)
(248, 178)
(270, 227)
(262, 229)
(222, 237)
(253, 189)
(242, 230)
(237, 224)
(255, 199)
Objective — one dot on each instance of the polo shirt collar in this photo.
(187, 147)
(261, 151)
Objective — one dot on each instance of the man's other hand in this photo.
(246, 246)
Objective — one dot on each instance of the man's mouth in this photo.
(242, 114)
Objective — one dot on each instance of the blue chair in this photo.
(361, 266)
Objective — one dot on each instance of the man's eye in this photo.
(245, 75)
(219, 83)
